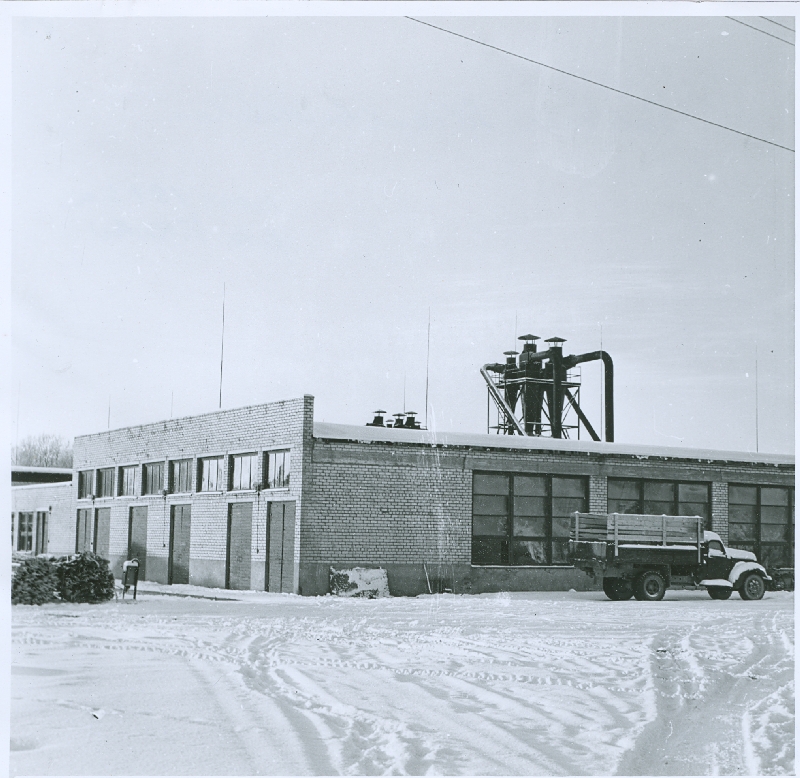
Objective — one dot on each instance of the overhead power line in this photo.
(598, 83)
(758, 29)
(772, 21)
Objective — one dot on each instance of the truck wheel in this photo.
(617, 589)
(650, 586)
(719, 592)
(752, 587)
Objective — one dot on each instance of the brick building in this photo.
(264, 498)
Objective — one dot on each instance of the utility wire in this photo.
(597, 83)
(758, 29)
(785, 27)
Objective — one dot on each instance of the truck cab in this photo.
(728, 569)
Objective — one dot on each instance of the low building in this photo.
(263, 497)
(42, 502)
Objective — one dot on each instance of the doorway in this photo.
(180, 530)
(240, 533)
(137, 537)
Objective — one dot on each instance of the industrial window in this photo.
(629, 495)
(278, 469)
(105, 482)
(152, 478)
(85, 484)
(243, 471)
(180, 479)
(25, 533)
(761, 520)
(127, 479)
(210, 476)
(524, 519)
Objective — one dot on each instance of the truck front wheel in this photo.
(617, 589)
(752, 587)
(650, 586)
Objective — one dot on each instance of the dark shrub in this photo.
(85, 578)
(35, 582)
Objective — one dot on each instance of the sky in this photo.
(345, 181)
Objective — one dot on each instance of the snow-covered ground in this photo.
(513, 684)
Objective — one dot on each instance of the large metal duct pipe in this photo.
(608, 371)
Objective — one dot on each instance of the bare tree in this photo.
(42, 451)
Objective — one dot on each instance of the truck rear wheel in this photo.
(617, 588)
(719, 592)
(650, 586)
(752, 587)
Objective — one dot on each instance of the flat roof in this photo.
(366, 434)
(28, 469)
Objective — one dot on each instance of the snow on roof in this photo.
(365, 434)
(30, 469)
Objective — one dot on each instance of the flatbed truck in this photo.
(641, 556)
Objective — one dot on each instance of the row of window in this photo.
(525, 519)
(242, 474)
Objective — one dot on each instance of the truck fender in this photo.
(741, 569)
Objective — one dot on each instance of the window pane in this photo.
(528, 552)
(488, 551)
(278, 463)
(560, 552)
(623, 506)
(530, 526)
(746, 532)
(742, 495)
(489, 505)
(658, 508)
(774, 532)
(530, 485)
(773, 495)
(489, 525)
(622, 490)
(693, 509)
(771, 514)
(490, 484)
(742, 513)
(569, 487)
(693, 492)
(659, 491)
(561, 526)
(566, 506)
(530, 506)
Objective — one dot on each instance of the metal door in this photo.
(180, 530)
(137, 537)
(240, 532)
(83, 534)
(102, 531)
(279, 573)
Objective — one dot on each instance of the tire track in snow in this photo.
(708, 681)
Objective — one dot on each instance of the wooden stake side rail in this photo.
(637, 528)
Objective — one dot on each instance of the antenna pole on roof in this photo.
(427, 367)
(222, 348)
(109, 412)
(756, 397)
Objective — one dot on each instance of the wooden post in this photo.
(577, 525)
(616, 536)
(663, 529)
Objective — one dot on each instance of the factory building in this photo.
(264, 498)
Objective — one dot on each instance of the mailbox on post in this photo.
(130, 576)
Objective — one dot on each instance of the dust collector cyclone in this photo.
(535, 393)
